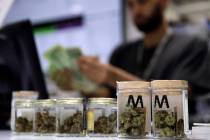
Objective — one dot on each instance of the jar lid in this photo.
(47, 102)
(169, 84)
(70, 100)
(25, 94)
(132, 85)
(24, 103)
(102, 101)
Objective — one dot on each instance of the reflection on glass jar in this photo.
(134, 109)
(45, 117)
(170, 108)
(102, 117)
(23, 117)
(70, 121)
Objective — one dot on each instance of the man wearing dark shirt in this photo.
(161, 54)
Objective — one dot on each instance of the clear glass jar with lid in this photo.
(134, 109)
(20, 96)
(70, 118)
(45, 117)
(23, 117)
(170, 108)
(102, 117)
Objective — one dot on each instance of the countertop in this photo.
(7, 135)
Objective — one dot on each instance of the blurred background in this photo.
(97, 27)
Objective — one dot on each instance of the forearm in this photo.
(117, 74)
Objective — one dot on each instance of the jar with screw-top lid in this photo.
(23, 117)
(134, 109)
(170, 108)
(22, 111)
(70, 117)
(102, 117)
(45, 117)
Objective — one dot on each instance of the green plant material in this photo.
(22, 124)
(167, 132)
(45, 123)
(64, 70)
(133, 122)
(72, 124)
(166, 123)
(106, 125)
(180, 128)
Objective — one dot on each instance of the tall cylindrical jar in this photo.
(70, 117)
(170, 108)
(45, 117)
(134, 109)
(102, 117)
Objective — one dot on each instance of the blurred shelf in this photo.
(193, 7)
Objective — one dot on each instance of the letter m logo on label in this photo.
(164, 101)
(135, 103)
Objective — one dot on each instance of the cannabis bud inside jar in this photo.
(170, 108)
(45, 117)
(132, 122)
(70, 118)
(23, 119)
(106, 124)
(102, 117)
(134, 115)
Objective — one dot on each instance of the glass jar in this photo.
(170, 108)
(102, 117)
(23, 117)
(134, 109)
(70, 121)
(45, 117)
(20, 96)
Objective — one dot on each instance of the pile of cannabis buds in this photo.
(72, 124)
(167, 125)
(22, 124)
(45, 123)
(106, 125)
(133, 121)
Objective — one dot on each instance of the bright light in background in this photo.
(4, 9)
(99, 35)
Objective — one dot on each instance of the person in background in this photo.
(162, 54)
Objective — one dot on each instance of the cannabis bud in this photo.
(133, 121)
(106, 125)
(22, 124)
(72, 124)
(166, 123)
(45, 123)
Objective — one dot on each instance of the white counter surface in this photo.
(7, 135)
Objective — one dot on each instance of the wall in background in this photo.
(99, 35)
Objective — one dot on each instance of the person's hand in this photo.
(103, 73)
(94, 69)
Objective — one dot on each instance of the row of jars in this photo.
(142, 109)
(65, 117)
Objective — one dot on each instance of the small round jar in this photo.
(102, 117)
(134, 109)
(23, 117)
(70, 118)
(45, 117)
(170, 108)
